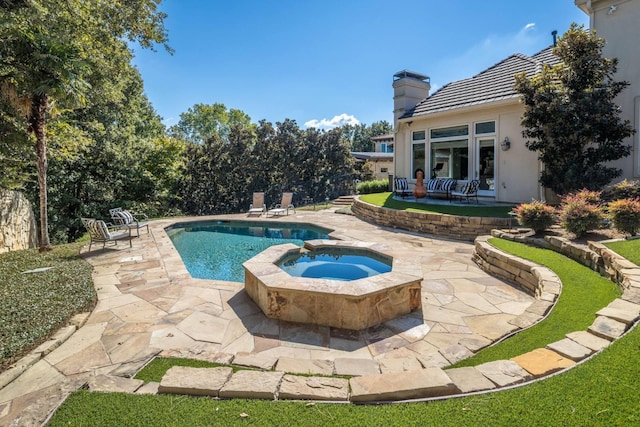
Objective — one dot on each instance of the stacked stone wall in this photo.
(18, 229)
(594, 255)
(450, 226)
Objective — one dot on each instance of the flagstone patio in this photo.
(149, 305)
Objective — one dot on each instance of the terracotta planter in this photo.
(419, 191)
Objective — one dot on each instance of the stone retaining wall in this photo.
(452, 226)
(595, 255)
(18, 228)
(533, 278)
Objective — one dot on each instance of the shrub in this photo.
(625, 189)
(535, 215)
(375, 186)
(580, 212)
(625, 215)
(588, 196)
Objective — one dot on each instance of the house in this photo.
(383, 143)
(470, 129)
(381, 158)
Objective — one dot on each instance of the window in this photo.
(384, 170)
(418, 157)
(485, 127)
(383, 147)
(418, 151)
(450, 159)
(449, 132)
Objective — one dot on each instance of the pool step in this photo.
(343, 201)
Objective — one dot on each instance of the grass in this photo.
(33, 306)
(630, 249)
(584, 292)
(386, 200)
(601, 391)
(155, 370)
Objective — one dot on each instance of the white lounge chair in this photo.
(284, 206)
(125, 219)
(101, 232)
(257, 207)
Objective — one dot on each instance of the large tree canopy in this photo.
(203, 121)
(58, 54)
(571, 119)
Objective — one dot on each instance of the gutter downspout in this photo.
(591, 14)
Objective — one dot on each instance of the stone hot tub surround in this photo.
(356, 304)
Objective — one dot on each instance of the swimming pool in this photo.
(335, 264)
(216, 249)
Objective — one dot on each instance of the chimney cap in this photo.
(412, 75)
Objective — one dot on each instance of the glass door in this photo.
(485, 166)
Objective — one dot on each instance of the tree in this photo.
(203, 121)
(360, 135)
(50, 51)
(571, 118)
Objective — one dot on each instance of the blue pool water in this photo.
(217, 249)
(335, 264)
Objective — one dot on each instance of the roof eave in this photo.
(511, 100)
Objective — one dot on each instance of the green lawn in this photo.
(386, 200)
(601, 391)
(630, 249)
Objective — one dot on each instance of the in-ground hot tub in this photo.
(342, 303)
(335, 263)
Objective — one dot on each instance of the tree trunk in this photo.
(37, 122)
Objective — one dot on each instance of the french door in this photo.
(485, 155)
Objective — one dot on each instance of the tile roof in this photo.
(493, 84)
(371, 155)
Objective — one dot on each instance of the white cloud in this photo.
(336, 121)
(492, 49)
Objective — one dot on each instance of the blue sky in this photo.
(329, 62)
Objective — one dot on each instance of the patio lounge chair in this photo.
(125, 219)
(283, 206)
(402, 187)
(101, 232)
(470, 189)
(258, 206)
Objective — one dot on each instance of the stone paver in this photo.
(399, 365)
(504, 372)
(148, 303)
(541, 362)
(570, 349)
(355, 367)
(252, 385)
(194, 381)
(428, 382)
(302, 366)
(111, 384)
(255, 361)
(588, 340)
(469, 380)
(314, 388)
(607, 328)
(622, 311)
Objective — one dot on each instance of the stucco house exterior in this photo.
(381, 158)
(470, 129)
